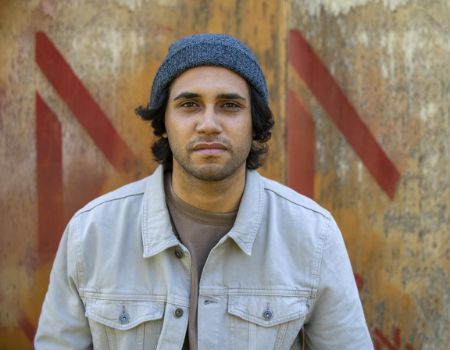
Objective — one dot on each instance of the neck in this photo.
(217, 196)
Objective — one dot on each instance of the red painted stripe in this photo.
(322, 84)
(300, 147)
(27, 327)
(82, 105)
(49, 178)
(385, 341)
(376, 344)
(359, 281)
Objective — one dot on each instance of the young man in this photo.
(205, 253)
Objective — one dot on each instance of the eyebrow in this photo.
(231, 96)
(191, 95)
(186, 95)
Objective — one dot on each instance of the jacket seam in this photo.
(78, 254)
(322, 212)
(323, 236)
(88, 209)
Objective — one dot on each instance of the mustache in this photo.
(208, 139)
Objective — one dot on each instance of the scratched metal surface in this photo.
(391, 60)
(388, 58)
(68, 68)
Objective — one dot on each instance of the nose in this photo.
(208, 122)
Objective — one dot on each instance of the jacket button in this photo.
(178, 313)
(124, 317)
(179, 253)
(267, 315)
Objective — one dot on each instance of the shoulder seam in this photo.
(88, 209)
(78, 254)
(321, 212)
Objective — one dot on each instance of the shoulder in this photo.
(303, 217)
(292, 199)
(129, 192)
(110, 215)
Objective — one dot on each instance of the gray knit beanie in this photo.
(208, 50)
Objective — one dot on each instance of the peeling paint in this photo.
(48, 8)
(392, 63)
(388, 42)
(428, 111)
(360, 170)
(113, 50)
(412, 42)
(134, 5)
(363, 38)
(342, 7)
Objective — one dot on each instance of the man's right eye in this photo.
(188, 104)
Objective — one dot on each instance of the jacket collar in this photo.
(157, 231)
(250, 214)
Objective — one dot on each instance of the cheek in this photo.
(249, 129)
(244, 133)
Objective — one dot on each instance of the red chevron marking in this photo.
(300, 147)
(322, 84)
(49, 178)
(382, 342)
(27, 327)
(82, 104)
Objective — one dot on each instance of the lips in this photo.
(209, 148)
(209, 145)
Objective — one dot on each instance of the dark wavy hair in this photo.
(262, 123)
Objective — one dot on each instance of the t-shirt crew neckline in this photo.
(209, 217)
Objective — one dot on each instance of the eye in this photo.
(188, 104)
(230, 105)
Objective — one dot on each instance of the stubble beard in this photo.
(211, 170)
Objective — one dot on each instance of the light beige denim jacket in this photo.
(121, 278)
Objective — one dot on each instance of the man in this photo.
(205, 253)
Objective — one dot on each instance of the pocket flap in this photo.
(267, 311)
(123, 314)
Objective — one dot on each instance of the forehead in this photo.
(209, 80)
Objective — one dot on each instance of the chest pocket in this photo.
(266, 322)
(125, 324)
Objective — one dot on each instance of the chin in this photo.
(211, 172)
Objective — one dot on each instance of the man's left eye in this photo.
(188, 104)
(230, 105)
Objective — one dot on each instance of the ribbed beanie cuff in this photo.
(208, 50)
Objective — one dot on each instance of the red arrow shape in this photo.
(82, 104)
(300, 134)
(325, 89)
(49, 178)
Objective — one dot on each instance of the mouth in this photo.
(209, 148)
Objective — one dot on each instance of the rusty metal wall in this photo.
(371, 81)
(71, 74)
(360, 91)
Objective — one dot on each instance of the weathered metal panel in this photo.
(374, 90)
(71, 74)
(389, 61)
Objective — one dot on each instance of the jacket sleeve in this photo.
(62, 323)
(337, 320)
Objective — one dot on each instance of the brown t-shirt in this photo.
(199, 231)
